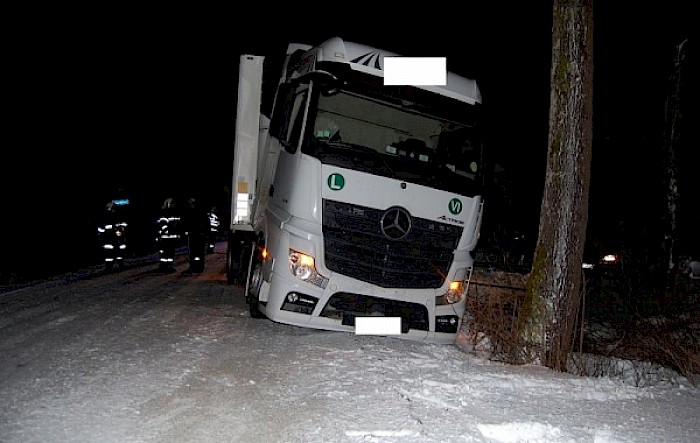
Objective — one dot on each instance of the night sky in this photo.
(144, 99)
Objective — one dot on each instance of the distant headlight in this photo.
(610, 259)
(607, 259)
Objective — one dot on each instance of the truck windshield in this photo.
(398, 132)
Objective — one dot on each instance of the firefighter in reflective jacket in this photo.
(168, 235)
(112, 237)
(213, 230)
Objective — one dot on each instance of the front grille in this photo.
(354, 245)
(346, 306)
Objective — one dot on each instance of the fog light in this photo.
(298, 302)
(446, 323)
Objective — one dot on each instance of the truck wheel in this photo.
(237, 257)
(233, 264)
(253, 295)
(229, 265)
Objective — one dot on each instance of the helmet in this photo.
(110, 206)
(168, 203)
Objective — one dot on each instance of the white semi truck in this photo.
(355, 199)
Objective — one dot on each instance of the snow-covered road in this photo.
(140, 356)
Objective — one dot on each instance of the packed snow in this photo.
(139, 356)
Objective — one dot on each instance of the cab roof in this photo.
(371, 61)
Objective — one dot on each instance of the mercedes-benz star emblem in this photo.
(396, 223)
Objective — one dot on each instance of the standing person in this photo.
(213, 230)
(168, 235)
(111, 234)
(196, 225)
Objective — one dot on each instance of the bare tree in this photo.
(554, 284)
(668, 145)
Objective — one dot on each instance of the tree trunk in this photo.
(670, 173)
(554, 285)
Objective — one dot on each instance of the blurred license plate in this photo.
(378, 325)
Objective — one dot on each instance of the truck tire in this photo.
(230, 275)
(237, 257)
(253, 295)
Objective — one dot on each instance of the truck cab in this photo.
(367, 198)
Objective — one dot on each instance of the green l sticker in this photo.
(336, 182)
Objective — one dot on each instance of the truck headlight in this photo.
(303, 267)
(453, 294)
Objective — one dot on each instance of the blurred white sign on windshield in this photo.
(431, 71)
